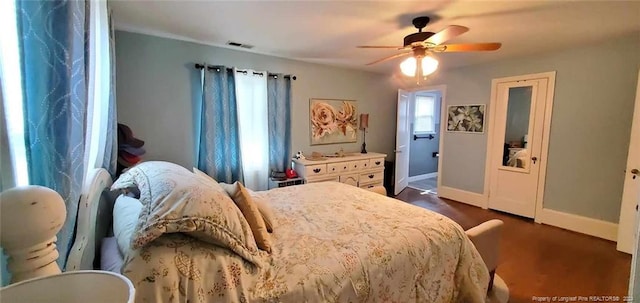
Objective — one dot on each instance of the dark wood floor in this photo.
(541, 260)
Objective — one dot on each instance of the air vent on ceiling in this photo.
(236, 44)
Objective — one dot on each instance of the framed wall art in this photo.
(468, 118)
(333, 121)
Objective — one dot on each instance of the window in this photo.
(99, 85)
(12, 91)
(425, 118)
(251, 98)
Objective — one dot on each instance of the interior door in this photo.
(402, 142)
(516, 146)
(631, 191)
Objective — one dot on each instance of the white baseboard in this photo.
(593, 227)
(463, 196)
(589, 226)
(422, 177)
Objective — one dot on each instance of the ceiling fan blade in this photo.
(380, 46)
(470, 47)
(446, 34)
(389, 58)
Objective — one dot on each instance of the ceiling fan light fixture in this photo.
(408, 67)
(427, 65)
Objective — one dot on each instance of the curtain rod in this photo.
(200, 66)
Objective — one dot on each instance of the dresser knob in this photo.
(377, 162)
(316, 170)
(370, 176)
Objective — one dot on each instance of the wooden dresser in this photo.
(363, 170)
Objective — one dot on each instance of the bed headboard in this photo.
(94, 221)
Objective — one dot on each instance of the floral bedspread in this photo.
(332, 243)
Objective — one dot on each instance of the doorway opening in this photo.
(418, 157)
(424, 142)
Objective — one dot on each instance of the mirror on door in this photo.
(515, 152)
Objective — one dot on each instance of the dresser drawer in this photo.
(356, 165)
(349, 179)
(364, 164)
(370, 185)
(314, 170)
(337, 167)
(323, 179)
(378, 162)
(372, 176)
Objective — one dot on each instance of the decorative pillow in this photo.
(142, 174)
(176, 200)
(263, 206)
(243, 199)
(110, 257)
(265, 211)
(126, 211)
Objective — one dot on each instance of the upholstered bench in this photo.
(486, 239)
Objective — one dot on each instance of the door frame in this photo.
(442, 88)
(628, 215)
(544, 152)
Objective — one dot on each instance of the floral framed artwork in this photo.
(333, 121)
(465, 118)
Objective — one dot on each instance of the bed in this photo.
(333, 243)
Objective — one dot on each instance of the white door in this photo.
(402, 142)
(631, 191)
(517, 144)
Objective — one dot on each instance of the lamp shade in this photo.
(408, 67)
(429, 65)
(364, 121)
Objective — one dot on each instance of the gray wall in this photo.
(590, 127)
(421, 160)
(157, 93)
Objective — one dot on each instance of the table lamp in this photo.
(364, 124)
(30, 218)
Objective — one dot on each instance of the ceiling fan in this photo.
(422, 44)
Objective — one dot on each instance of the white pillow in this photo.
(110, 257)
(125, 218)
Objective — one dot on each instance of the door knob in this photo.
(635, 173)
(534, 159)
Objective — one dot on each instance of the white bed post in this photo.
(30, 218)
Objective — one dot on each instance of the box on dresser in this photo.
(362, 170)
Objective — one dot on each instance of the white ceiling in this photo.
(328, 31)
